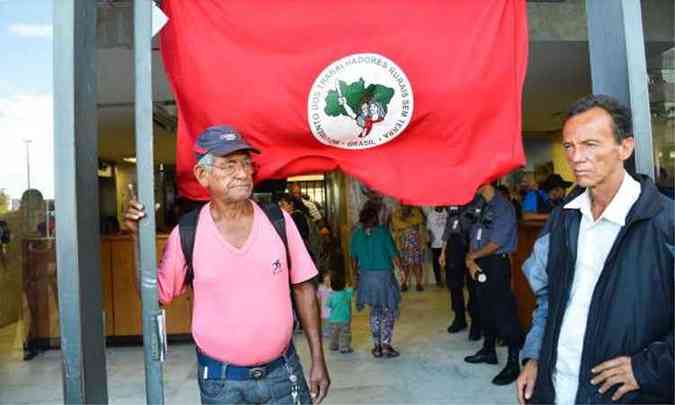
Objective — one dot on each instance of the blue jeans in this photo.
(273, 389)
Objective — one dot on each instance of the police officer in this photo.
(452, 258)
(493, 238)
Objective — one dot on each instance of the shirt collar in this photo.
(618, 208)
(579, 201)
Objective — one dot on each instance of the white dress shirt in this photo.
(596, 238)
(314, 212)
(436, 225)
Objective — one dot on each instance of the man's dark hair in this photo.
(285, 197)
(504, 190)
(368, 215)
(622, 122)
(295, 203)
(337, 280)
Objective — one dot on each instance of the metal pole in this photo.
(619, 68)
(76, 191)
(27, 142)
(144, 173)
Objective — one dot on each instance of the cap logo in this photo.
(228, 137)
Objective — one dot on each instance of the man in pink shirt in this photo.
(242, 313)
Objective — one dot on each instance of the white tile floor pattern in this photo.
(430, 370)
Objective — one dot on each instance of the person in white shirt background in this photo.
(436, 219)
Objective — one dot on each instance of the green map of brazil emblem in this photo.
(360, 101)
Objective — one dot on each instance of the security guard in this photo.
(452, 259)
(493, 238)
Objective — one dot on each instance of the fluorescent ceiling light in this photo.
(129, 159)
(308, 177)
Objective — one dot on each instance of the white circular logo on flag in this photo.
(360, 101)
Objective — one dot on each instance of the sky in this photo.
(26, 96)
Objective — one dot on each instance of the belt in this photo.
(213, 369)
(497, 255)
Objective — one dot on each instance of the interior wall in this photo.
(537, 151)
(664, 145)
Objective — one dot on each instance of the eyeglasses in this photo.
(231, 167)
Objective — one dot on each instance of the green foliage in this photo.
(4, 201)
(356, 94)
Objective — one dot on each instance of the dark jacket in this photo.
(631, 311)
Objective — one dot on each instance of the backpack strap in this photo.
(276, 217)
(187, 228)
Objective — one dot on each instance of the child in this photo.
(324, 291)
(340, 304)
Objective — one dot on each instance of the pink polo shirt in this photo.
(241, 310)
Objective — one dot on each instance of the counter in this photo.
(121, 302)
(527, 235)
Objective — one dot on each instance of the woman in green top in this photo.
(373, 257)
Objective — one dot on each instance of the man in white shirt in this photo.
(602, 271)
(296, 192)
(436, 219)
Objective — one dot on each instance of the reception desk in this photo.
(121, 299)
(527, 235)
(121, 302)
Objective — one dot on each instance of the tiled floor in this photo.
(429, 371)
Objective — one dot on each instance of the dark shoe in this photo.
(482, 356)
(457, 325)
(474, 333)
(508, 375)
(389, 352)
(377, 351)
(30, 352)
(419, 287)
(344, 351)
(404, 288)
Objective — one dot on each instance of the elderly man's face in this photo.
(591, 150)
(229, 179)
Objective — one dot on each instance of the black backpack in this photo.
(187, 228)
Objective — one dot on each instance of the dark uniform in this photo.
(496, 302)
(456, 238)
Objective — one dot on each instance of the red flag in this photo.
(418, 100)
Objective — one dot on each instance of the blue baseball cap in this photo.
(221, 140)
